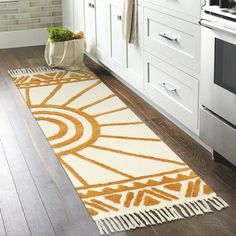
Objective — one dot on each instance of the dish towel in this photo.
(130, 21)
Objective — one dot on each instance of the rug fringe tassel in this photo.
(159, 216)
(31, 70)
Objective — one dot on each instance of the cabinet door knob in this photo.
(91, 5)
(119, 17)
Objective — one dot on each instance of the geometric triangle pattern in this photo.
(122, 171)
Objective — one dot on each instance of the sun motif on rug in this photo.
(117, 164)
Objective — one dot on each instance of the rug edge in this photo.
(30, 70)
(146, 218)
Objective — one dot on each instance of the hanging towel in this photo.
(130, 21)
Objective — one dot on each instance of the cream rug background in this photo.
(125, 175)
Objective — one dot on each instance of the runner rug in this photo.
(125, 175)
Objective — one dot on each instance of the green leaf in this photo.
(60, 34)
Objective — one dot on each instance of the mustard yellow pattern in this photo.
(125, 175)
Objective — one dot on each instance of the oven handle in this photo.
(216, 26)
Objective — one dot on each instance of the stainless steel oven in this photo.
(218, 85)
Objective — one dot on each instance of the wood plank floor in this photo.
(36, 196)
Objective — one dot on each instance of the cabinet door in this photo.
(68, 13)
(133, 58)
(78, 15)
(117, 45)
(90, 25)
(102, 29)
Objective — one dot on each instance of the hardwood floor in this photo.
(36, 196)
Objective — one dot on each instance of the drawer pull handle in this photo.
(168, 36)
(168, 86)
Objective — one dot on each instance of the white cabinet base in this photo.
(145, 96)
(163, 65)
(172, 89)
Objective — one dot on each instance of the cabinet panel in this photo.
(134, 59)
(172, 37)
(102, 29)
(68, 14)
(90, 25)
(117, 45)
(78, 15)
(173, 90)
(188, 7)
(124, 59)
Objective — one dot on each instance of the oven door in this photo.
(218, 78)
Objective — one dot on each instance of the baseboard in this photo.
(23, 38)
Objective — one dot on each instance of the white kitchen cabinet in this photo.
(78, 15)
(68, 14)
(171, 89)
(73, 14)
(117, 44)
(90, 26)
(101, 21)
(102, 30)
(124, 59)
(134, 57)
(171, 37)
(164, 63)
(172, 62)
(184, 7)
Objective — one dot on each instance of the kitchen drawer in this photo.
(188, 7)
(173, 90)
(174, 38)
